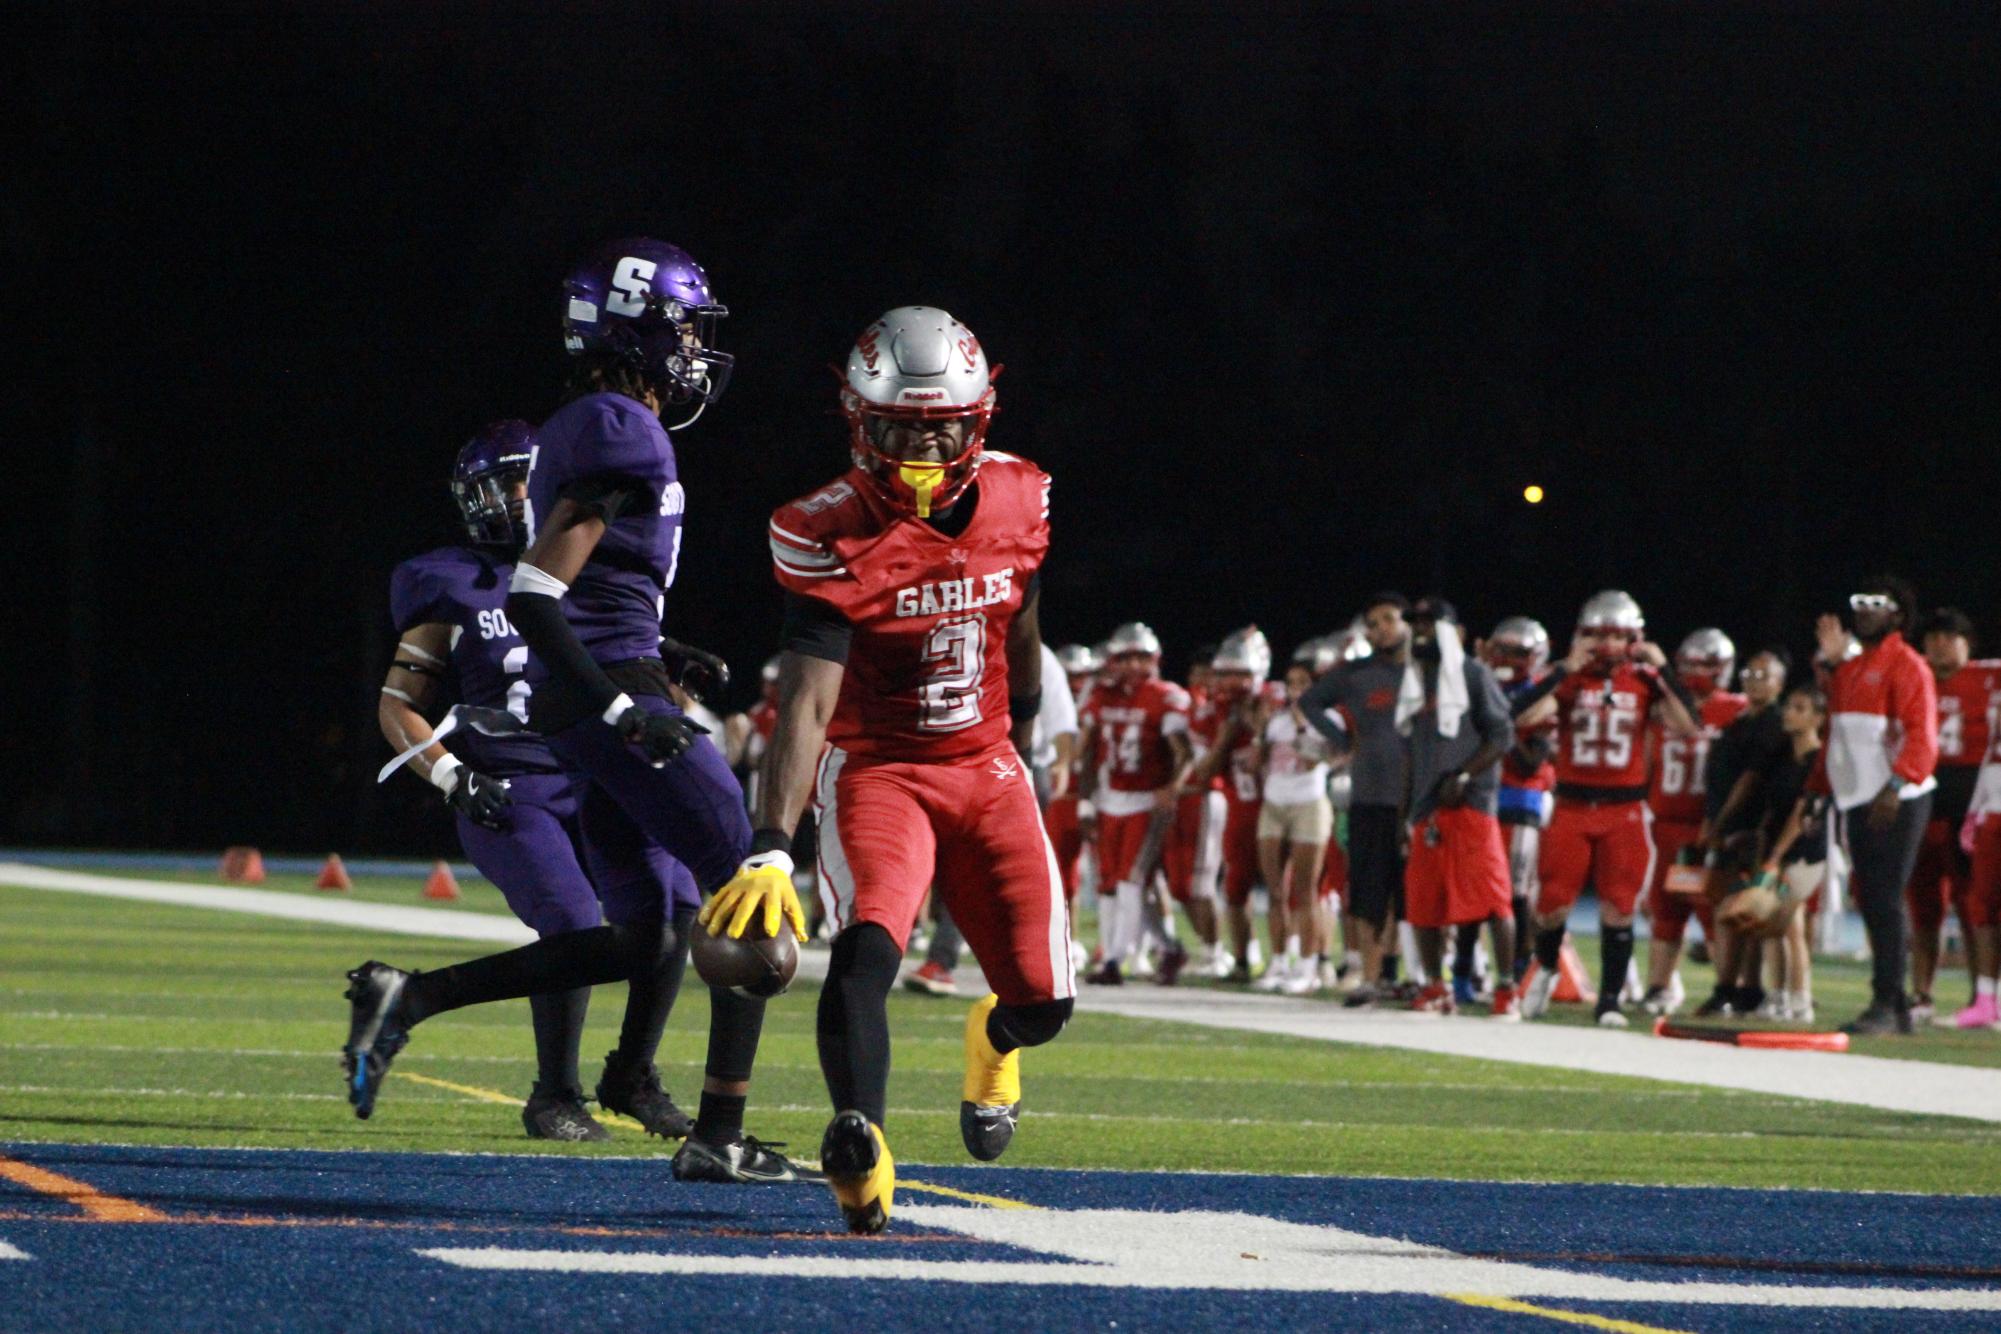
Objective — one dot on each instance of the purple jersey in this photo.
(465, 589)
(615, 602)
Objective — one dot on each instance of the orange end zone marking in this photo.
(100, 1207)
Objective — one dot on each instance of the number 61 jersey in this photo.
(927, 668)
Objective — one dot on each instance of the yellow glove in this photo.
(763, 881)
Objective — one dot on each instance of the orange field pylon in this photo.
(243, 866)
(1573, 984)
(442, 884)
(334, 875)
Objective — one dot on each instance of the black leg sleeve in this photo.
(854, 1019)
(1617, 944)
(559, 1029)
(656, 981)
(554, 963)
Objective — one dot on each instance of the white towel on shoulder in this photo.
(1452, 697)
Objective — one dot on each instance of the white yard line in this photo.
(1923, 1087)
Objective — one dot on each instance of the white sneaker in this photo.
(1329, 975)
(1535, 1000)
(1677, 993)
(1800, 1008)
(1275, 977)
(1141, 965)
(1612, 1019)
(1775, 1007)
(1305, 980)
(1255, 955)
(1220, 964)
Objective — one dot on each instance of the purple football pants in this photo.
(534, 860)
(654, 839)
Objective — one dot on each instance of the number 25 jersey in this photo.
(1601, 724)
(927, 668)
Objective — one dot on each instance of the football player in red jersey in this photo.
(1194, 849)
(1518, 655)
(1706, 661)
(1136, 752)
(1232, 767)
(908, 690)
(1968, 692)
(1062, 815)
(1604, 690)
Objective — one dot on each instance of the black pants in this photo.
(1882, 861)
(1375, 866)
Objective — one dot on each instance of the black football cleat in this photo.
(634, 1090)
(1881, 1019)
(744, 1161)
(856, 1159)
(375, 1031)
(560, 1116)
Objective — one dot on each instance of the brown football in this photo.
(752, 965)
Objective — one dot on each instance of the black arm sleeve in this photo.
(547, 631)
(1674, 685)
(815, 629)
(1540, 691)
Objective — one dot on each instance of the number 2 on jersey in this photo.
(955, 658)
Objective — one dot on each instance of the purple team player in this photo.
(604, 511)
(517, 810)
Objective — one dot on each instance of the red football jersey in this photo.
(927, 668)
(1677, 793)
(1966, 703)
(1132, 725)
(1601, 724)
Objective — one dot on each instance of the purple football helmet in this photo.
(649, 304)
(490, 464)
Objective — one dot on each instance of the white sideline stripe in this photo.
(393, 918)
(1920, 1087)
(10, 1252)
(1201, 1249)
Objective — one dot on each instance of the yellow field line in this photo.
(102, 1208)
(495, 1095)
(971, 1197)
(1514, 1307)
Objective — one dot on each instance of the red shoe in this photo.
(1434, 999)
(1505, 1007)
(933, 979)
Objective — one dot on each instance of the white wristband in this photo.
(445, 774)
(617, 708)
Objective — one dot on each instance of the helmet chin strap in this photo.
(701, 406)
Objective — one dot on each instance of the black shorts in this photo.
(1375, 864)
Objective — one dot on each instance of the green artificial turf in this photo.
(124, 1022)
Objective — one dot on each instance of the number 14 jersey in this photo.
(927, 667)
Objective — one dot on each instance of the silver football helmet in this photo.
(1078, 660)
(1320, 654)
(1707, 654)
(917, 364)
(1615, 621)
(1246, 650)
(1518, 649)
(1133, 637)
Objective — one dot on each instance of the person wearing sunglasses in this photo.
(1882, 747)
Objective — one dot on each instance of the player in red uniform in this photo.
(1968, 692)
(1229, 769)
(1518, 655)
(1136, 752)
(1194, 851)
(1066, 832)
(908, 691)
(1706, 661)
(1604, 690)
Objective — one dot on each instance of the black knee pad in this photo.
(1032, 1025)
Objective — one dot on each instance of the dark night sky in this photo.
(1293, 299)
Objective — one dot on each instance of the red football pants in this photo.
(1940, 877)
(1120, 839)
(1066, 836)
(1983, 893)
(1240, 849)
(887, 827)
(1609, 846)
(1670, 912)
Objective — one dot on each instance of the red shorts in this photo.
(1464, 878)
(1121, 838)
(1939, 877)
(1608, 847)
(1983, 887)
(1334, 869)
(1240, 848)
(887, 827)
(1067, 837)
(1670, 912)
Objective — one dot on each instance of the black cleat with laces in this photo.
(744, 1161)
(634, 1090)
(558, 1114)
(376, 1031)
